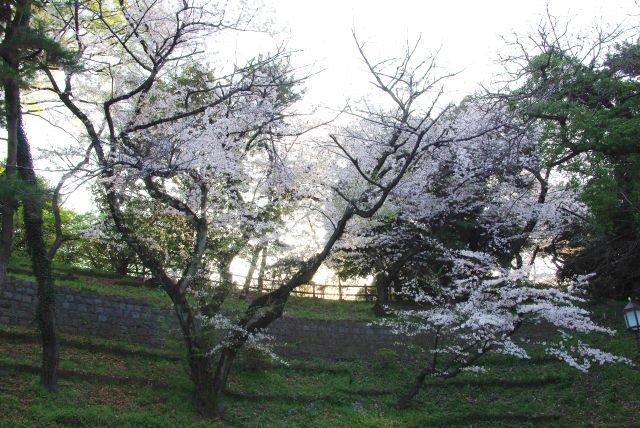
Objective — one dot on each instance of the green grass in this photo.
(305, 307)
(514, 393)
(316, 309)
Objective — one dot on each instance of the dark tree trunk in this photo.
(382, 293)
(406, 399)
(413, 390)
(15, 17)
(219, 383)
(6, 232)
(224, 270)
(6, 235)
(252, 268)
(45, 312)
(120, 264)
(210, 380)
(208, 403)
(384, 279)
(263, 266)
(208, 395)
(12, 106)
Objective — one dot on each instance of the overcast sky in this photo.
(467, 33)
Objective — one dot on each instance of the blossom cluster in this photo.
(490, 312)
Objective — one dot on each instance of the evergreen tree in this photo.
(23, 49)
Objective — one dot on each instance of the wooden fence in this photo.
(337, 291)
(319, 291)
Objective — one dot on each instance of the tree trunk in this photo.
(252, 268)
(12, 106)
(224, 270)
(209, 378)
(382, 293)
(210, 384)
(6, 231)
(208, 403)
(263, 265)
(120, 264)
(208, 395)
(45, 312)
(408, 397)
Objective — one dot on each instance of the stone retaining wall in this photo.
(133, 320)
(87, 313)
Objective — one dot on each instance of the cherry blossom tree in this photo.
(186, 138)
(481, 313)
(456, 232)
(207, 145)
(488, 193)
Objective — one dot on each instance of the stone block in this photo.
(23, 314)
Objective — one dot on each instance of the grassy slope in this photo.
(158, 392)
(151, 390)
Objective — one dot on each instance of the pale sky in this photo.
(467, 33)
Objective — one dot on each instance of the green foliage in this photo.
(590, 119)
(73, 252)
(28, 46)
(10, 185)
